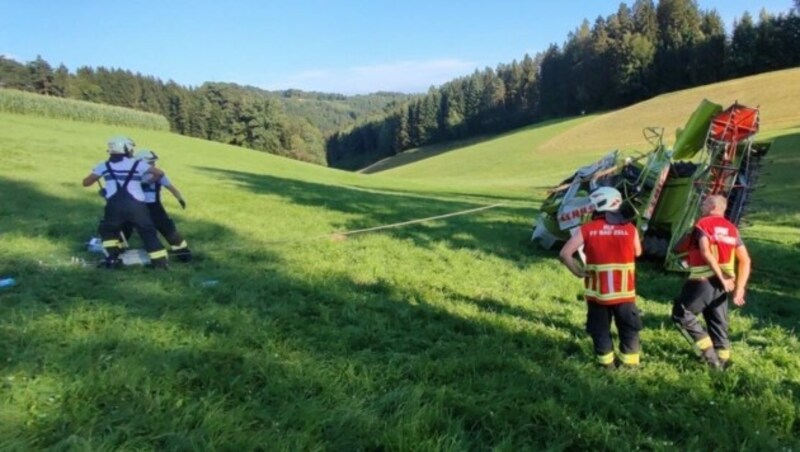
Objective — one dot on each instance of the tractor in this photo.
(715, 153)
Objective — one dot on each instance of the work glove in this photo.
(183, 203)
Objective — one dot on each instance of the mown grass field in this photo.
(454, 334)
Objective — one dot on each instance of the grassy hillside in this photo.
(771, 91)
(510, 163)
(453, 334)
(544, 154)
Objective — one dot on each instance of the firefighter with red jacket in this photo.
(611, 245)
(713, 249)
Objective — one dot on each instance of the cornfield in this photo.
(13, 101)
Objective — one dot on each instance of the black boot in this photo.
(160, 263)
(110, 263)
(183, 254)
(112, 260)
(710, 357)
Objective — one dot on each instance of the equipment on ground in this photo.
(126, 258)
(714, 154)
(134, 257)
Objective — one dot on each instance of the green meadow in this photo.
(450, 334)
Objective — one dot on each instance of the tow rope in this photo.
(382, 227)
(76, 261)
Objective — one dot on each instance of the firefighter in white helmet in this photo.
(611, 245)
(125, 201)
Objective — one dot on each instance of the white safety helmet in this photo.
(120, 145)
(146, 155)
(606, 199)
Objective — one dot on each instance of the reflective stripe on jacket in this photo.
(610, 255)
(723, 237)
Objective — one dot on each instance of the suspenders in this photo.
(153, 187)
(124, 186)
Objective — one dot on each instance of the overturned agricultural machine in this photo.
(662, 189)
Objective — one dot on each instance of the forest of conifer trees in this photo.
(290, 123)
(633, 54)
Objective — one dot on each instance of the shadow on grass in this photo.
(356, 366)
(501, 231)
(557, 320)
(274, 359)
(773, 293)
(29, 212)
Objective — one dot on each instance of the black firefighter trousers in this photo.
(166, 227)
(629, 322)
(121, 209)
(707, 297)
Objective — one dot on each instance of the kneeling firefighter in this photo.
(151, 186)
(611, 245)
(125, 202)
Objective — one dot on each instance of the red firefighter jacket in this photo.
(723, 237)
(610, 255)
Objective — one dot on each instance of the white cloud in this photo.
(401, 76)
(11, 56)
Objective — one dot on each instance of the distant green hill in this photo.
(332, 113)
(546, 153)
(289, 123)
(329, 112)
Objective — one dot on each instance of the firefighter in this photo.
(611, 245)
(151, 186)
(714, 246)
(125, 202)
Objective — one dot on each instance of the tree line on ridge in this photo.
(637, 52)
(634, 54)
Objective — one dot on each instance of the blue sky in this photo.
(345, 46)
